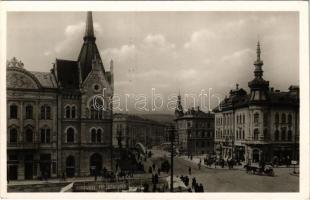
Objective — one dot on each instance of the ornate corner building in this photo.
(60, 121)
(195, 130)
(260, 126)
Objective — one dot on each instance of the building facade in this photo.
(194, 130)
(260, 126)
(60, 121)
(128, 130)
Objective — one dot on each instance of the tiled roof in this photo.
(46, 79)
(67, 73)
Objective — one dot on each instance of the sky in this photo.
(166, 52)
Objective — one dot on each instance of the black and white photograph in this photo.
(163, 101)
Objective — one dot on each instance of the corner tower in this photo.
(259, 87)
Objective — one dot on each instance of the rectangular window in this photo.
(45, 136)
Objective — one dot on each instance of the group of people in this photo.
(196, 187)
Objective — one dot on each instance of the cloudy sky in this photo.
(168, 51)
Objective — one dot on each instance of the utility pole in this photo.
(172, 136)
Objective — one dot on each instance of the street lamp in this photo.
(171, 137)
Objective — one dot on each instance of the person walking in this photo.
(194, 182)
(189, 170)
(63, 176)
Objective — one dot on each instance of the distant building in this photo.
(260, 126)
(54, 123)
(195, 130)
(128, 130)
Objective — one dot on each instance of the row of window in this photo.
(241, 119)
(201, 134)
(44, 114)
(45, 135)
(283, 118)
(285, 135)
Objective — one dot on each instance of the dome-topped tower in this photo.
(259, 87)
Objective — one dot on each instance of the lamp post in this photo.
(171, 137)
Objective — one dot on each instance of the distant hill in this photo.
(165, 118)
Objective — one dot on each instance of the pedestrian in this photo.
(189, 170)
(194, 182)
(186, 181)
(63, 176)
(199, 165)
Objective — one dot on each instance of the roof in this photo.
(89, 50)
(275, 98)
(192, 113)
(67, 73)
(46, 79)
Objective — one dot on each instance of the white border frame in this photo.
(300, 6)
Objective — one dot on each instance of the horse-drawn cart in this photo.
(259, 170)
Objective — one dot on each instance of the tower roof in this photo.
(89, 50)
(89, 31)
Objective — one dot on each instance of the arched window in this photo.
(13, 135)
(289, 135)
(99, 133)
(29, 135)
(289, 119)
(256, 134)
(276, 118)
(276, 135)
(243, 134)
(67, 110)
(256, 118)
(283, 118)
(283, 134)
(73, 112)
(13, 112)
(96, 108)
(29, 112)
(70, 135)
(93, 135)
(45, 112)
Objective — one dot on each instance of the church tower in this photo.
(89, 50)
(259, 87)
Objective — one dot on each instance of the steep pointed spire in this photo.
(89, 53)
(258, 51)
(258, 72)
(89, 31)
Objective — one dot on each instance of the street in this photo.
(236, 180)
